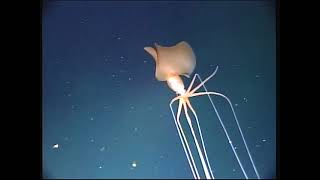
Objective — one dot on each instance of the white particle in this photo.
(91, 118)
(245, 99)
(235, 147)
(129, 78)
(91, 140)
(236, 104)
(230, 142)
(264, 140)
(55, 146)
(69, 95)
(121, 57)
(118, 38)
(113, 75)
(100, 167)
(135, 129)
(233, 170)
(134, 164)
(102, 149)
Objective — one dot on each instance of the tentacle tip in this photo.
(217, 67)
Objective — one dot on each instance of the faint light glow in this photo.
(135, 129)
(92, 140)
(134, 164)
(129, 78)
(91, 118)
(236, 104)
(102, 148)
(55, 146)
(100, 167)
(245, 99)
(118, 38)
(144, 61)
(257, 145)
(257, 76)
(264, 140)
(233, 170)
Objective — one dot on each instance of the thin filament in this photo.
(224, 129)
(191, 84)
(184, 142)
(202, 82)
(234, 114)
(196, 142)
(199, 129)
(238, 125)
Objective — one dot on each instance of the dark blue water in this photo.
(110, 117)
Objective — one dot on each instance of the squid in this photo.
(172, 63)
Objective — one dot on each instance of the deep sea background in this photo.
(110, 117)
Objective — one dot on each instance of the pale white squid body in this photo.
(176, 84)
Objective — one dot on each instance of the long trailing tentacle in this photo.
(224, 129)
(238, 125)
(206, 93)
(205, 168)
(184, 142)
(199, 129)
(202, 83)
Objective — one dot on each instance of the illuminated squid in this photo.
(171, 63)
